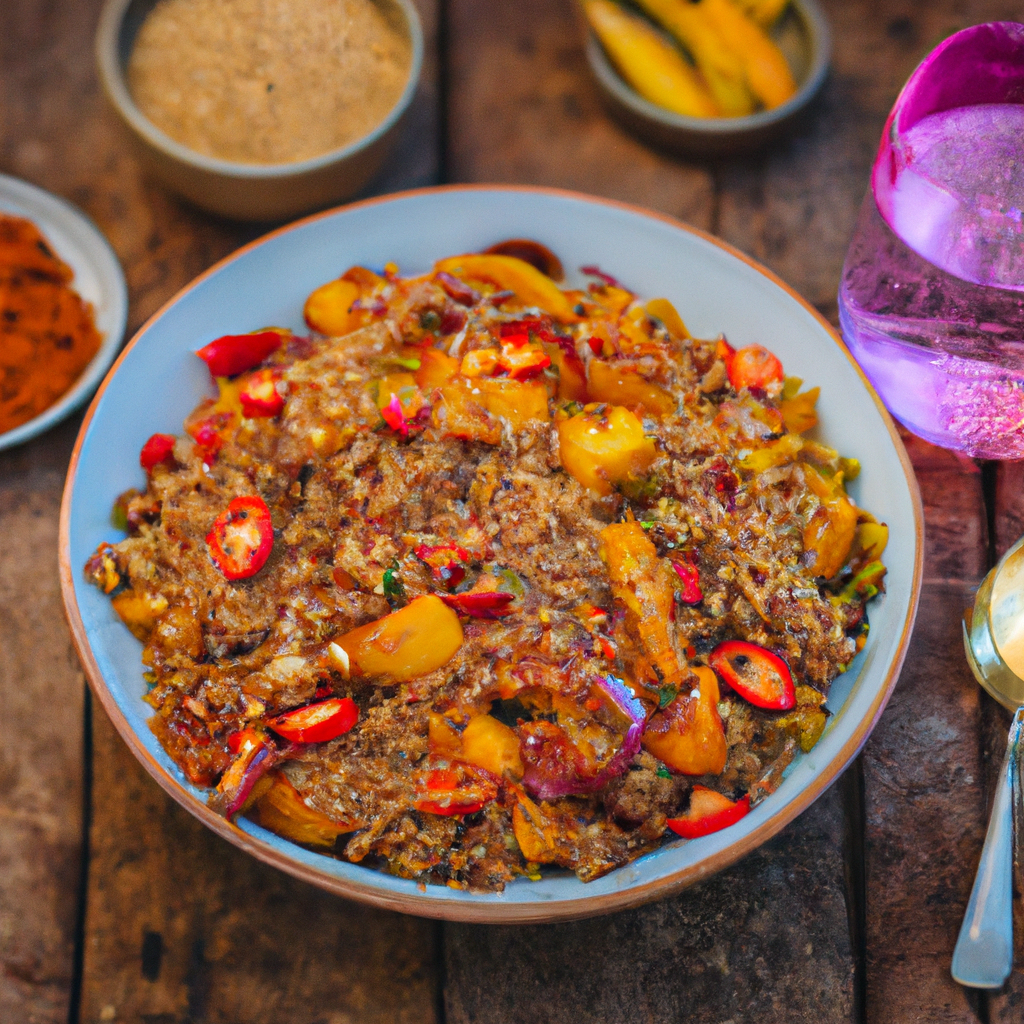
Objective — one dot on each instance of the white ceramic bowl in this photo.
(239, 190)
(98, 279)
(715, 288)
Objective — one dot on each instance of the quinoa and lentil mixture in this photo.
(485, 574)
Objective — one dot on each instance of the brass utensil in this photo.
(994, 642)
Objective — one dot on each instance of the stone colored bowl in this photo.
(715, 289)
(801, 33)
(240, 190)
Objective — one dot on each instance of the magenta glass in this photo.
(931, 301)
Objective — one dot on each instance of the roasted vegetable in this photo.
(235, 353)
(241, 538)
(755, 674)
(709, 812)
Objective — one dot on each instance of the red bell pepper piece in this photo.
(241, 538)
(691, 592)
(753, 367)
(755, 674)
(235, 353)
(208, 433)
(259, 396)
(444, 561)
(317, 723)
(490, 604)
(159, 448)
(709, 812)
(520, 358)
(447, 781)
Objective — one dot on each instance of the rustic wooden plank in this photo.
(923, 770)
(214, 935)
(764, 941)
(523, 109)
(41, 693)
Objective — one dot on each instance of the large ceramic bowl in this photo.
(715, 288)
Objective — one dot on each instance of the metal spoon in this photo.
(994, 642)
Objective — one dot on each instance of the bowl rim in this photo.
(493, 911)
(112, 78)
(820, 42)
(46, 209)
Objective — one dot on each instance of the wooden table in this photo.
(116, 906)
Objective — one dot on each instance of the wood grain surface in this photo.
(850, 914)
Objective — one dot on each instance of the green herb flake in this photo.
(663, 773)
(667, 694)
(410, 364)
(646, 523)
(392, 583)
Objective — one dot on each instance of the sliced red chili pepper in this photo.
(236, 353)
(755, 674)
(444, 561)
(254, 756)
(317, 723)
(208, 433)
(491, 604)
(753, 367)
(394, 416)
(241, 538)
(445, 780)
(691, 592)
(596, 344)
(709, 812)
(724, 351)
(259, 396)
(159, 448)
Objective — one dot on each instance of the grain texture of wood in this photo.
(923, 772)
(764, 941)
(42, 694)
(181, 926)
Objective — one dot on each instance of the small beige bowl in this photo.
(803, 36)
(240, 190)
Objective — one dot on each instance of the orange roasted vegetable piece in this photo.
(646, 585)
(329, 308)
(831, 530)
(467, 408)
(536, 834)
(608, 382)
(604, 446)
(436, 368)
(688, 735)
(281, 810)
(507, 273)
(422, 636)
(483, 742)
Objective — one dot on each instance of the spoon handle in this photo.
(983, 957)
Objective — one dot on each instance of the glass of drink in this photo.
(931, 301)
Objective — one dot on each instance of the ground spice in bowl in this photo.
(268, 81)
(47, 332)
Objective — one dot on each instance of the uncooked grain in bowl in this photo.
(267, 81)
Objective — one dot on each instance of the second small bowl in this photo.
(801, 33)
(247, 191)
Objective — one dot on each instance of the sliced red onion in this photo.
(555, 767)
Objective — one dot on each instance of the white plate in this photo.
(158, 380)
(98, 279)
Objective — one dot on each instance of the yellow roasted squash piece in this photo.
(416, 639)
(607, 382)
(832, 527)
(649, 63)
(716, 60)
(281, 810)
(329, 308)
(688, 734)
(509, 273)
(604, 446)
